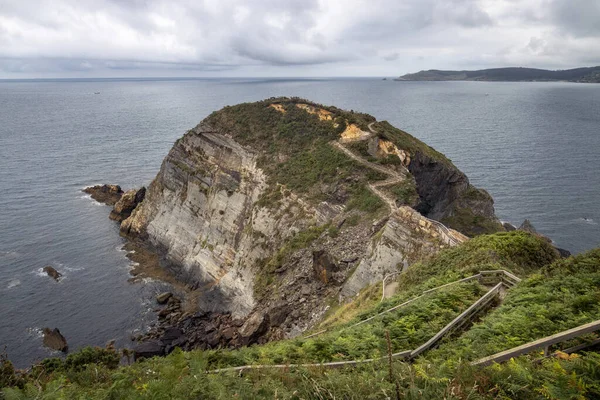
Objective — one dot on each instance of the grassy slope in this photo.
(556, 295)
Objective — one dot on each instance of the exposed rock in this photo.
(563, 253)
(445, 192)
(55, 340)
(527, 226)
(223, 227)
(127, 203)
(254, 327)
(148, 349)
(52, 272)
(107, 194)
(509, 227)
(163, 297)
(323, 266)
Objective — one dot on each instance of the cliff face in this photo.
(446, 195)
(265, 210)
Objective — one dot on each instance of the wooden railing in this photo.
(543, 343)
(455, 324)
(462, 319)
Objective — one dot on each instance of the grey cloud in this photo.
(234, 36)
(577, 17)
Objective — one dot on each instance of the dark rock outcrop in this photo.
(163, 297)
(148, 349)
(52, 272)
(54, 339)
(446, 195)
(127, 203)
(323, 266)
(254, 327)
(107, 194)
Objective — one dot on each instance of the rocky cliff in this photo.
(274, 209)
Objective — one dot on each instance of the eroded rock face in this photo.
(240, 238)
(324, 266)
(54, 339)
(127, 203)
(445, 192)
(405, 238)
(107, 194)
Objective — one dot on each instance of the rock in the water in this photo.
(54, 339)
(149, 349)
(52, 272)
(107, 194)
(126, 204)
(163, 297)
(253, 328)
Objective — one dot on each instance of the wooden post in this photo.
(392, 380)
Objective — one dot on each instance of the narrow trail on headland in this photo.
(395, 178)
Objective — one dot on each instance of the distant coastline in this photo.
(510, 74)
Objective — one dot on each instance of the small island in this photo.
(510, 74)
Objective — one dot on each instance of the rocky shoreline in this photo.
(180, 322)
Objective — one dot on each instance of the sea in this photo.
(534, 146)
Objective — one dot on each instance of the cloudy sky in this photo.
(111, 38)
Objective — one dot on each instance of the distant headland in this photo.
(511, 74)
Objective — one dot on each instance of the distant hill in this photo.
(511, 74)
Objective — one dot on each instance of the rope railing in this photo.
(469, 313)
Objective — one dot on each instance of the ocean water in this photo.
(534, 146)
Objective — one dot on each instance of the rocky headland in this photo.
(270, 212)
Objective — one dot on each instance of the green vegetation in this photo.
(295, 150)
(466, 221)
(555, 294)
(405, 192)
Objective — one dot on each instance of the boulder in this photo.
(52, 272)
(255, 326)
(170, 335)
(107, 194)
(323, 265)
(163, 297)
(148, 349)
(127, 203)
(527, 226)
(509, 227)
(54, 339)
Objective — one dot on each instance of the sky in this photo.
(291, 38)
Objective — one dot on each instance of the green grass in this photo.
(556, 294)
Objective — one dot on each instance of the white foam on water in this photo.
(9, 254)
(35, 332)
(13, 283)
(87, 196)
(588, 221)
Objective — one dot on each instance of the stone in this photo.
(163, 297)
(126, 204)
(323, 266)
(255, 326)
(148, 349)
(509, 227)
(171, 334)
(52, 272)
(55, 340)
(107, 194)
(527, 226)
